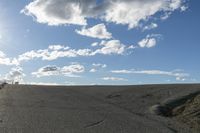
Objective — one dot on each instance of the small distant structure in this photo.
(16, 83)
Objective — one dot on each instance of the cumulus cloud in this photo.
(54, 52)
(16, 74)
(125, 12)
(112, 47)
(113, 79)
(56, 12)
(149, 41)
(7, 61)
(47, 71)
(179, 75)
(98, 31)
(72, 69)
(69, 71)
(2, 55)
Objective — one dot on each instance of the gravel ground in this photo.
(98, 109)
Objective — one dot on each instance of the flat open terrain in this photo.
(100, 109)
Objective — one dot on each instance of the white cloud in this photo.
(56, 12)
(97, 66)
(149, 41)
(111, 47)
(58, 47)
(184, 8)
(16, 74)
(179, 75)
(174, 4)
(150, 27)
(125, 12)
(165, 16)
(98, 31)
(7, 61)
(113, 79)
(180, 78)
(131, 47)
(72, 69)
(2, 55)
(54, 52)
(47, 71)
(93, 70)
(94, 44)
(69, 71)
(122, 71)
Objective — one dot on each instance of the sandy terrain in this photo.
(100, 109)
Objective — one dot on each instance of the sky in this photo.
(99, 42)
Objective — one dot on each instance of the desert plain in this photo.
(100, 109)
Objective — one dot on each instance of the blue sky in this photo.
(99, 42)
